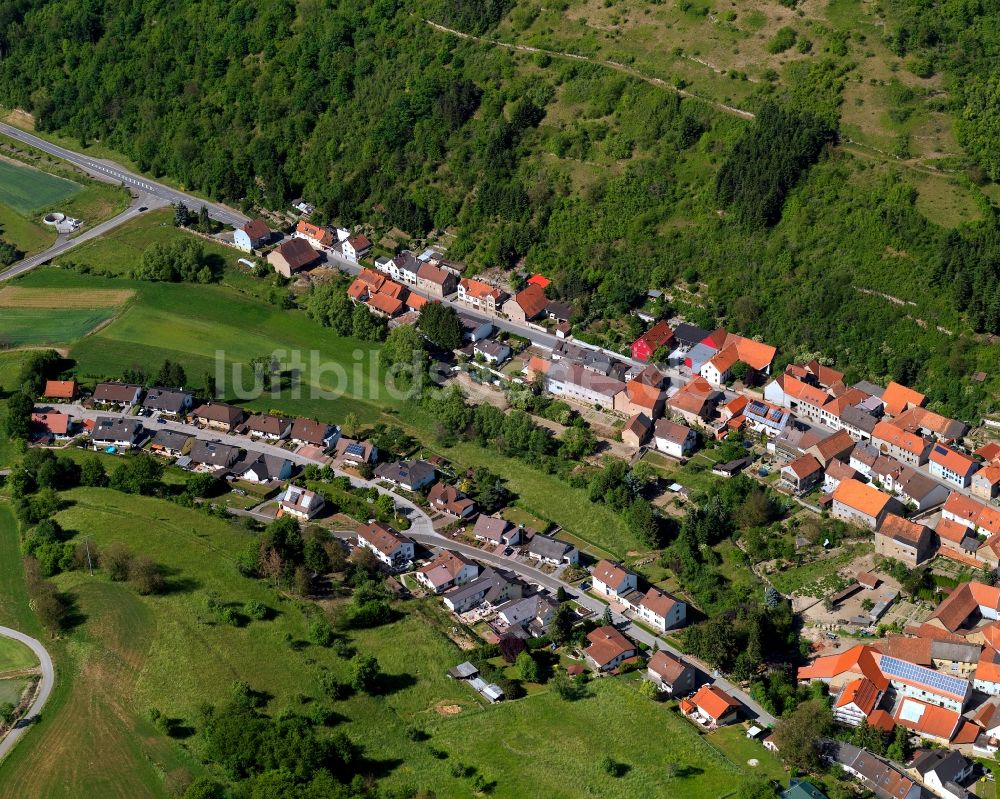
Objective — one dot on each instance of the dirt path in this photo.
(846, 144)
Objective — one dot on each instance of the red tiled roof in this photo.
(937, 722)
(611, 574)
(714, 702)
(256, 230)
(863, 498)
(60, 389)
(989, 452)
(476, 288)
(858, 660)
(669, 667)
(898, 398)
(861, 692)
(386, 304)
(318, 234)
(804, 465)
(658, 602)
(606, 643)
(658, 335)
(531, 300)
(903, 530)
(905, 440)
(951, 459)
(967, 508)
(54, 423)
(540, 281)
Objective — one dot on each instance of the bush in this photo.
(145, 576)
(117, 561)
(256, 610)
(321, 633)
(783, 40)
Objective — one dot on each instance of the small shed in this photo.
(463, 671)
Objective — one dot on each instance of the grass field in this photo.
(29, 190)
(11, 689)
(132, 653)
(20, 297)
(20, 327)
(27, 235)
(15, 655)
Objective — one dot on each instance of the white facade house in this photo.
(662, 611)
(611, 580)
(391, 548)
(674, 439)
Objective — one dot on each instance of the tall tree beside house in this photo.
(17, 423)
(171, 375)
(799, 735)
(404, 346)
(440, 324)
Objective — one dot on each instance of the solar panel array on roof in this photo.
(945, 683)
(354, 449)
(940, 450)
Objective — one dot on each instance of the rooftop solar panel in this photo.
(893, 667)
(354, 449)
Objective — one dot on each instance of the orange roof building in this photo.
(928, 721)
(608, 648)
(897, 398)
(539, 280)
(911, 448)
(60, 389)
(715, 704)
(840, 669)
(385, 305)
(857, 701)
(969, 512)
(320, 235)
(861, 504)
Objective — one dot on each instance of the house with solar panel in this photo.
(926, 685)
(762, 417)
(350, 451)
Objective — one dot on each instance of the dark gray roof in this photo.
(855, 417)
(213, 453)
(869, 388)
(946, 763)
(266, 467)
(411, 473)
(548, 547)
(407, 262)
(958, 652)
(166, 399)
(170, 439)
(109, 429)
(689, 335)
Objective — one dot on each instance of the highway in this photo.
(111, 172)
(45, 686)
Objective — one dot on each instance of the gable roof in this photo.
(965, 507)
(433, 274)
(804, 465)
(310, 431)
(755, 354)
(444, 568)
(713, 701)
(611, 574)
(671, 431)
(658, 602)
(862, 498)
(800, 390)
(478, 289)
(450, 498)
(963, 602)
(386, 304)
(265, 423)
(826, 375)
(921, 718)
(861, 692)
(297, 253)
(898, 398)
(694, 396)
(213, 453)
(166, 399)
(359, 241)
(658, 335)
(606, 643)
(60, 389)
(219, 412)
(667, 666)
(904, 531)
(989, 452)
(491, 528)
(548, 547)
(905, 440)
(382, 537)
(531, 300)
(952, 459)
(858, 660)
(256, 230)
(639, 425)
(539, 280)
(52, 422)
(916, 418)
(115, 392)
(644, 395)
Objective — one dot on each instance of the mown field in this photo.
(29, 190)
(15, 655)
(27, 235)
(133, 653)
(20, 327)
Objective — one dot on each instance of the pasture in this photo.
(133, 653)
(21, 327)
(27, 235)
(28, 190)
(21, 297)
(15, 655)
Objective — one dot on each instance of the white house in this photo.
(951, 465)
(661, 610)
(300, 503)
(393, 549)
(494, 352)
(446, 571)
(674, 439)
(611, 580)
(355, 247)
(252, 235)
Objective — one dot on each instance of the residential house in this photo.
(837, 446)
(786, 391)
(492, 587)
(863, 458)
(936, 723)
(435, 282)
(270, 428)
(840, 670)
(763, 417)
(636, 432)
(728, 349)
(551, 550)
(674, 439)
(496, 531)
(350, 451)
(314, 234)
(291, 256)
(411, 475)
(493, 352)
(903, 540)
(687, 336)
(981, 519)
(930, 424)
(259, 467)
(662, 611)
(446, 571)
(800, 789)
(385, 305)
(448, 499)
(50, 426)
(942, 772)
(659, 335)
(901, 444)
(715, 706)
(529, 303)
(391, 548)
(533, 613)
(60, 389)
(474, 329)
(167, 401)
(404, 268)
(119, 395)
(986, 482)
(951, 465)
(169, 442)
(559, 311)
(803, 473)
(480, 296)
(696, 401)
(219, 416)
(875, 774)
(860, 504)
(825, 376)
(612, 580)
(314, 433)
(835, 472)
(300, 503)
(119, 433)
(608, 648)
(857, 701)
(670, 674)
(573, 381)
(925, 685)
(911, 486)
(859, 423)
(639, 396)
(213, 454)
(966, 612)
(793, 441)
(251, 235)
(356, 247)
(898, 398)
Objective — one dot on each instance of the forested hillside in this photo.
(608, 181)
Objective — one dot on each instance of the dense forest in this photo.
(609, 184)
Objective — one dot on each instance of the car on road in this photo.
(143, 208)
(584, 585)
(160, 420)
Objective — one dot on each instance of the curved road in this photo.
(45, 687)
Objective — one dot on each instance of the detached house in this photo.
(391, 548)
(262, 468)
(411, 475)
(446, 571)
(670, 674)
(313, 433)
(715, 706)
(903, 540)
(251, 235)
(60, 389)
(119, 395)
(674, 439)
(213, 454)
(661, 610)
(167, 401)
(659, 335)
(50, 426)
(356, 247)
(293, 255)
(300, 503)
(120, 433)
(169, 442)
(448, 499)
(611, 580)
(496, 531)
(271, 428)
(552, 550)
(219, 416)
(608, 648)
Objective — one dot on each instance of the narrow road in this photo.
(109, 171)
(45, 686)
(64, 244)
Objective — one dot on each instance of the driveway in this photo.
(45, 686)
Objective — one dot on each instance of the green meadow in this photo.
(29, 190)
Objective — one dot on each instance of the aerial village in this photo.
(925, 488)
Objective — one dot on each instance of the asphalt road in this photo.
(111, 172)
(45, 687)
